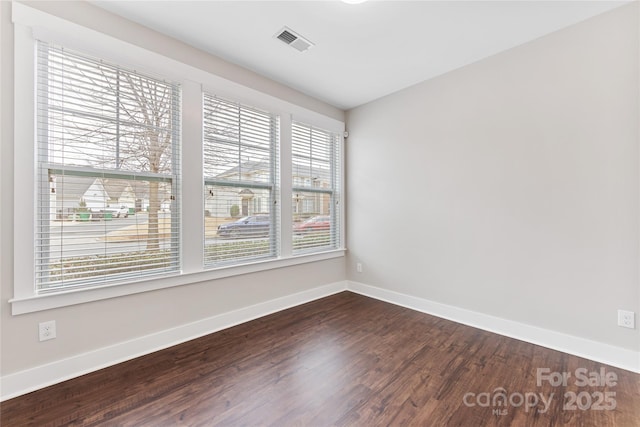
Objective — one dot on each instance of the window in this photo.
(316, 180)
(240, 168)
(130, 183)
(108, 172)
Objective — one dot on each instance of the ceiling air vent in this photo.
(296, 41)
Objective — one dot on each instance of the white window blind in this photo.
(241, 176)
(316, 183)
(108, 172)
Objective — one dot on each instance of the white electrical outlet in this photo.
(626, 319)
(47, 330)
(359, 267)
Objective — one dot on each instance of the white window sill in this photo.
(79, 296)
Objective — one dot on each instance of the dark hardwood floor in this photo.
(345, 360)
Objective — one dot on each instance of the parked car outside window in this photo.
(313, 224)
(246, 227)
(121, 212)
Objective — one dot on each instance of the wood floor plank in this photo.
(344, 360)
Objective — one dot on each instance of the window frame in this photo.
(336, 179)
(271, 185)
(46, 167)
(31, 24)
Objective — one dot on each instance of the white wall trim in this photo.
(600, 352)
(79, 296)
(29, 380)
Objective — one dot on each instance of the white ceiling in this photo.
(362, 52)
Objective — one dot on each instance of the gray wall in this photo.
(509, 187)
(87, 327)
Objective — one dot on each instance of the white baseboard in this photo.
(26, 381)
(23, 382)
(600, 352)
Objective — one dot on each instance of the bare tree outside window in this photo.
(151, 139)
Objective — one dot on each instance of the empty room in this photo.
(319, 213)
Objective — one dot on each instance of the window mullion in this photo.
(108, 173)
